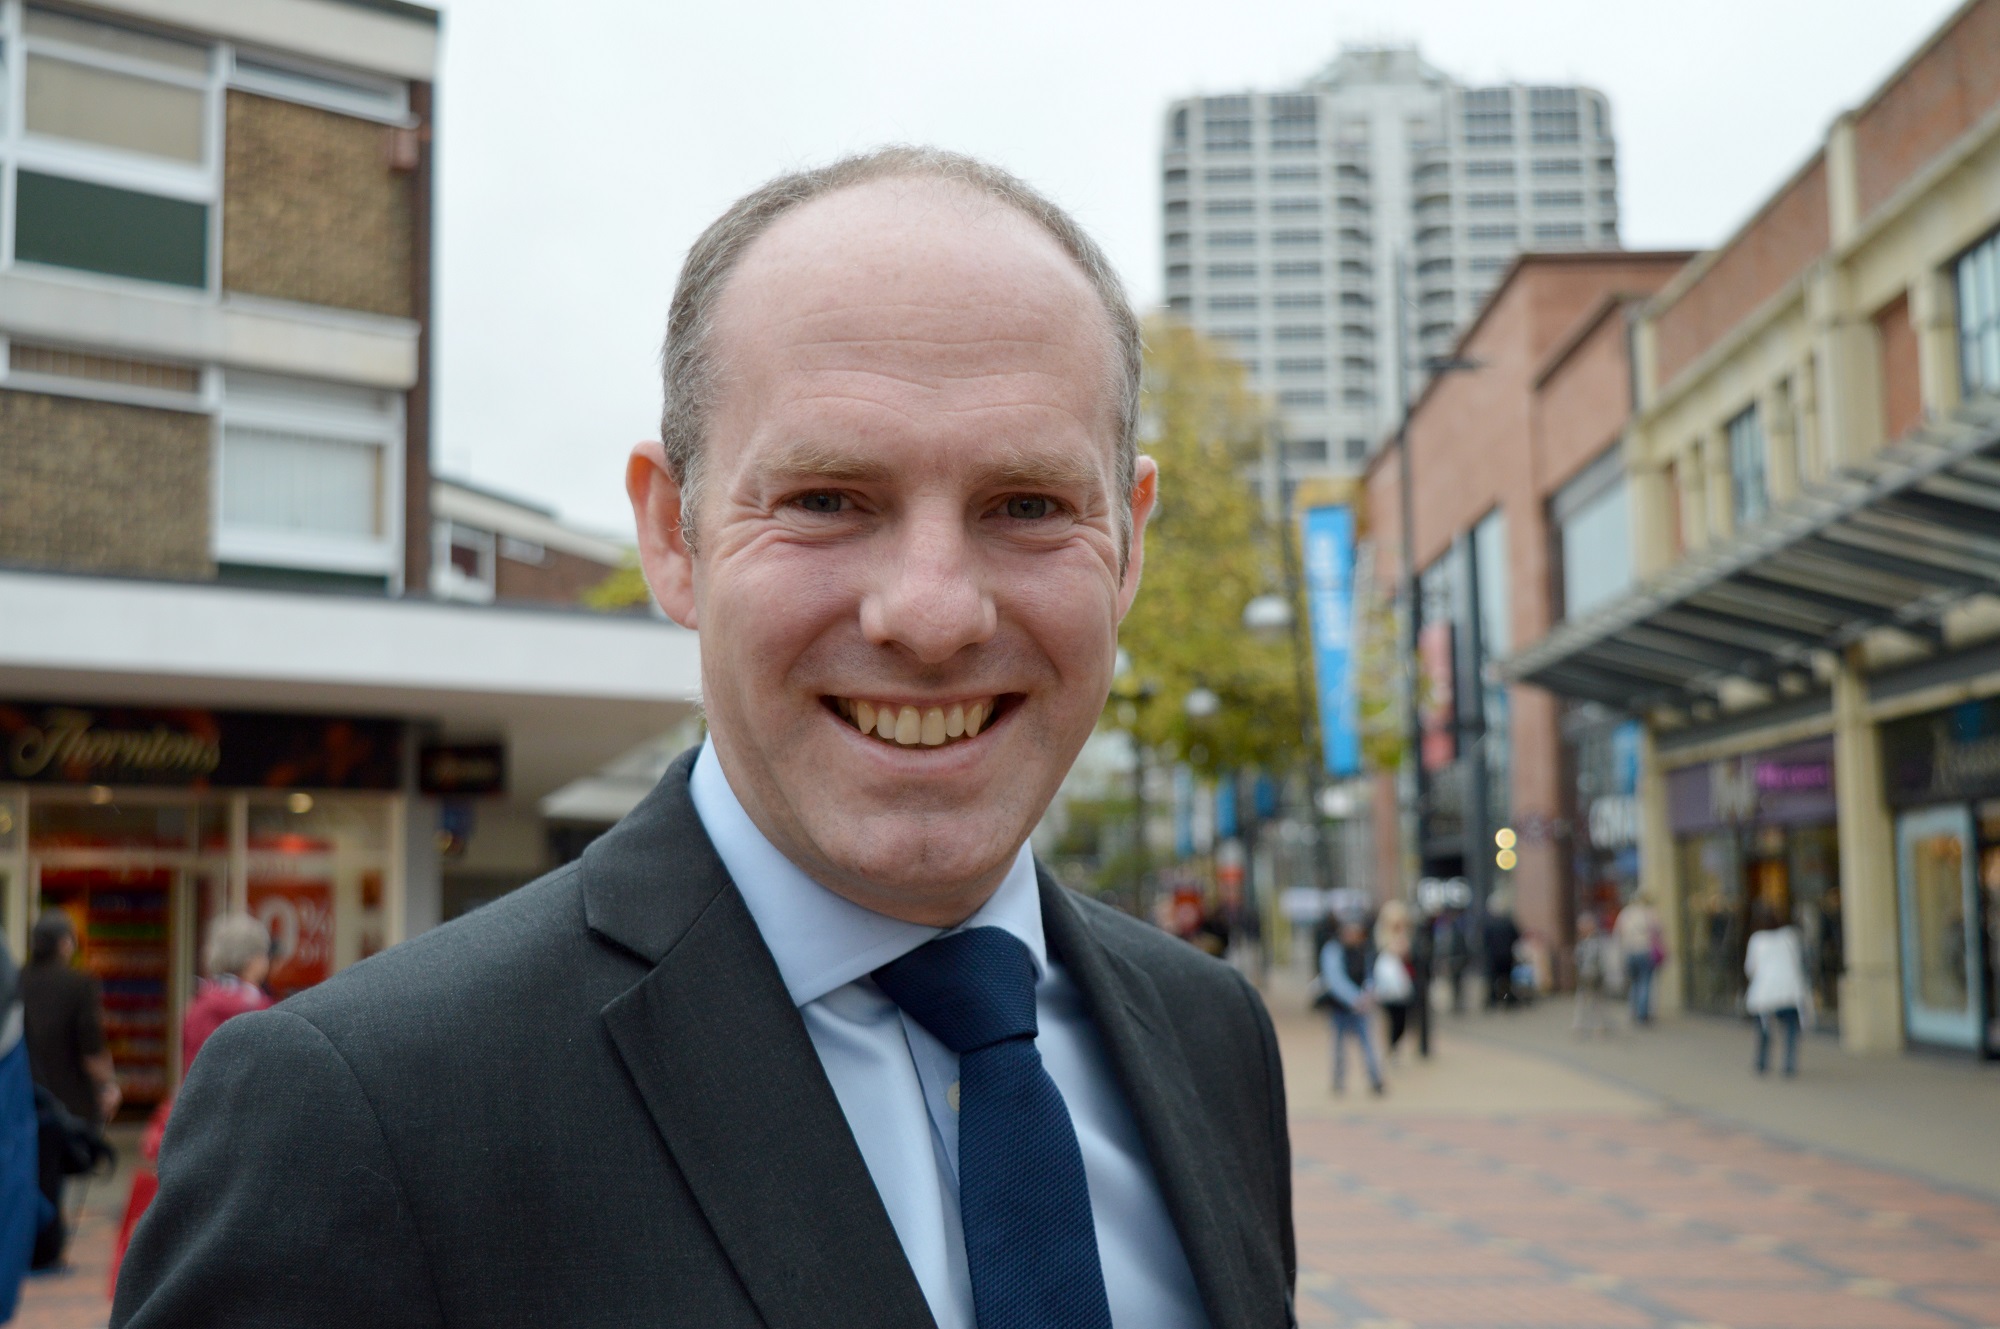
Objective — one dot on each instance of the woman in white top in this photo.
(1774, 962)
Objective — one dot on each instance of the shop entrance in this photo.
(141, 872)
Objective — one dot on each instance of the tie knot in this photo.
(971, 989)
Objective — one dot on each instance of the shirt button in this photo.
(951, 1095)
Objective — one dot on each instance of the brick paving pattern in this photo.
(1654, 1222)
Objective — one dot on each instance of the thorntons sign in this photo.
(43, 743)
(1946, 756)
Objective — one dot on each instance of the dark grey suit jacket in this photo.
(592, 1102)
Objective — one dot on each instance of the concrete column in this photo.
(1691, 468)
(1659, 873)
(1719, 486)
(1934, 315)
(1843, 196)
(1805, 401)
(1850, 372)
(1871, 990)
(1781, 441)
(1652, 520)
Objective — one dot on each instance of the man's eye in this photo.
(1029, 508)
(824, 502)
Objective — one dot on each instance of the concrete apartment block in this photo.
(102, 487)
(315, 210)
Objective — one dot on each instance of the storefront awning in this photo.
(1894, 542)
(568, 691)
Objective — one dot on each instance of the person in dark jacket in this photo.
(21, 1202)
(1502, 936)
(63, 1011)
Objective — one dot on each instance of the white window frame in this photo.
(381, 555)
(268, 74)
(20, 150)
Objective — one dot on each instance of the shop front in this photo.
(1601, 748)
(1751, 834)
(1942, 772)
(142, 824)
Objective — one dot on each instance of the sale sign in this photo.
(299, 915)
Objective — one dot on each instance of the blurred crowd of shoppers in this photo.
(59, 1089)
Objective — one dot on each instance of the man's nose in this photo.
(929, 595)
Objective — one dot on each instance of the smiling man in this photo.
(808, 1039)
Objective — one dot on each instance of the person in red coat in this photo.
(238, 960)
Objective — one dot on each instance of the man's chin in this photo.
(950, 865)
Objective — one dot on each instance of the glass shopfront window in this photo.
(1942, 772)
(1754, 831)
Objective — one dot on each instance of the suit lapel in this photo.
(731, 1079)
(1202, 1198)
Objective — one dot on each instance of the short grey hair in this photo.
(688, 360)
(234, 940)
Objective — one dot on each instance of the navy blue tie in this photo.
(1022, 1197)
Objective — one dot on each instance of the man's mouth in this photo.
(911, 726)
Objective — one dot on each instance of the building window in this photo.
(1231, 271)
(308, 475)
(1228, 175)
(1489, 116)
(1490, 202)
(112, 159)
(1296, 269)
(1559, 233)
(1180, 303)
(1292, 175)
(1294, 122)
(1748, 495)
(1305, 449)
(1229, 207)
(1302, 398)
(1232, 303)
(1293, 207)
(1178, 272)
(1231, 239)
(1295, 239)
(1356, 449)
(1177, 211)
(1979, 317)
(1299, 332)
(1592, 516)
(1299, 300)
(1241, 336)
(1357, 397)
(1559, 198)
(1308, 365)
(1552, 115)
(1177, 176)
(1506, 234)
(466, 563)
(1489, 169)
(1558, 166)
(1226, 124)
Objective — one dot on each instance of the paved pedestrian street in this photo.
(1520, 1178)
(1624, 1220)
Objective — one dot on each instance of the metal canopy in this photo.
(1893, 542)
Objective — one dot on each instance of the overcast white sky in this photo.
(583, 146)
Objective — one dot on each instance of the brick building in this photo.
(225, 681)
(1513, 462)
(1813, 646)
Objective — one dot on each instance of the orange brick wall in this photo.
(1777, 245)
(1902, 390)
(1943, 93)
(1492, 437)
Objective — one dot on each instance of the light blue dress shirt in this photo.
(898, 1086)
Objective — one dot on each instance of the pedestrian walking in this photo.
(1454, 951)
(1596, 959)
(1642, 950)
(238, 960)
(1346, 970)
(63, 1014)
(1394, 983)
(20, 1190)
(1779, 992)
(1501, 938)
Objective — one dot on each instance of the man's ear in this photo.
(663, 549)
(1145, 492)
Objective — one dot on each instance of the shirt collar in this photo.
(823, 941)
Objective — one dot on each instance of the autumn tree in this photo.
(1210, 550)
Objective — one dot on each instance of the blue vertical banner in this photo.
(1329, 569)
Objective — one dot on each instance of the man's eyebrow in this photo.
(1037, 470)
(821, 462)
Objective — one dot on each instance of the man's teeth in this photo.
(907, 726)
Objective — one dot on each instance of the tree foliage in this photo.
(624, 588)
(1210, 550)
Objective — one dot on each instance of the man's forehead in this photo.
(905, 244)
